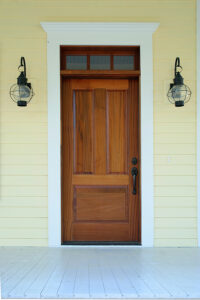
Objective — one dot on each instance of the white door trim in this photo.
(198, 117)
(139, 34)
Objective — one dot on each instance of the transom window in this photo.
(75, 58)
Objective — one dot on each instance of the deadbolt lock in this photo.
(134, 161)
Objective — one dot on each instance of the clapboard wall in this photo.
(23, 131)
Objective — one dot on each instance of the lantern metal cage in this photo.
(22, 92)
(179, 93)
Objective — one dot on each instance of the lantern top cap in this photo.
(178, 80)
(21, 79)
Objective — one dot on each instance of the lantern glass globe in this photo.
(179, 93)
(24, 92)
(21, 93)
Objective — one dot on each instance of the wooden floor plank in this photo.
(50, 290)
(125, 286)
(112, 289)
(26, 281)
(148, 276)
(100, 272)
(81, 284)
(20, 275)
(35, 289)
(66, 288)
(96, 286)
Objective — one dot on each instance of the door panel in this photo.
(99, 138)
(100, 203)
(100, 143)
(117, 129)
(83, 132)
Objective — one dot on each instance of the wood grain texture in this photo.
(100, 131)
(100, 179)
(99, 231)
(101, 205)
(134, 150)
(99, 74)
(117, 132)
(83, 131)
(87, 84)
(67, 157)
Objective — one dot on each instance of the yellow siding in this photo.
(23, 131)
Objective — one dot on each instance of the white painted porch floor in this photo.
(100, 272)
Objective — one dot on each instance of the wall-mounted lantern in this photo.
(21, 92)
(179, 93)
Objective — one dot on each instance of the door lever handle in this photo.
(134, 172)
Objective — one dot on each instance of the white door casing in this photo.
(123, 34)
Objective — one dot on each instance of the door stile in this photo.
(134, 135)
(67, 158)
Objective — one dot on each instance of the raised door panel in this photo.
(117, 131)
(100, 125)
(100, 203)
(83, 131)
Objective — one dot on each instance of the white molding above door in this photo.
(132, 34)
(85, 26)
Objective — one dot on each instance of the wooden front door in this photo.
(100, 138)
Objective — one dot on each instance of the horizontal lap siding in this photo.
(23, 131)
(175, 134)
(23, 134)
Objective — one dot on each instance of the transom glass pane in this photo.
(99, 62)
(123, 62)
(76, 62)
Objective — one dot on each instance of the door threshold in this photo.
(88, 243)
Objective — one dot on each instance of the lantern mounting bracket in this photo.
(177, 65)
(23, 64)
